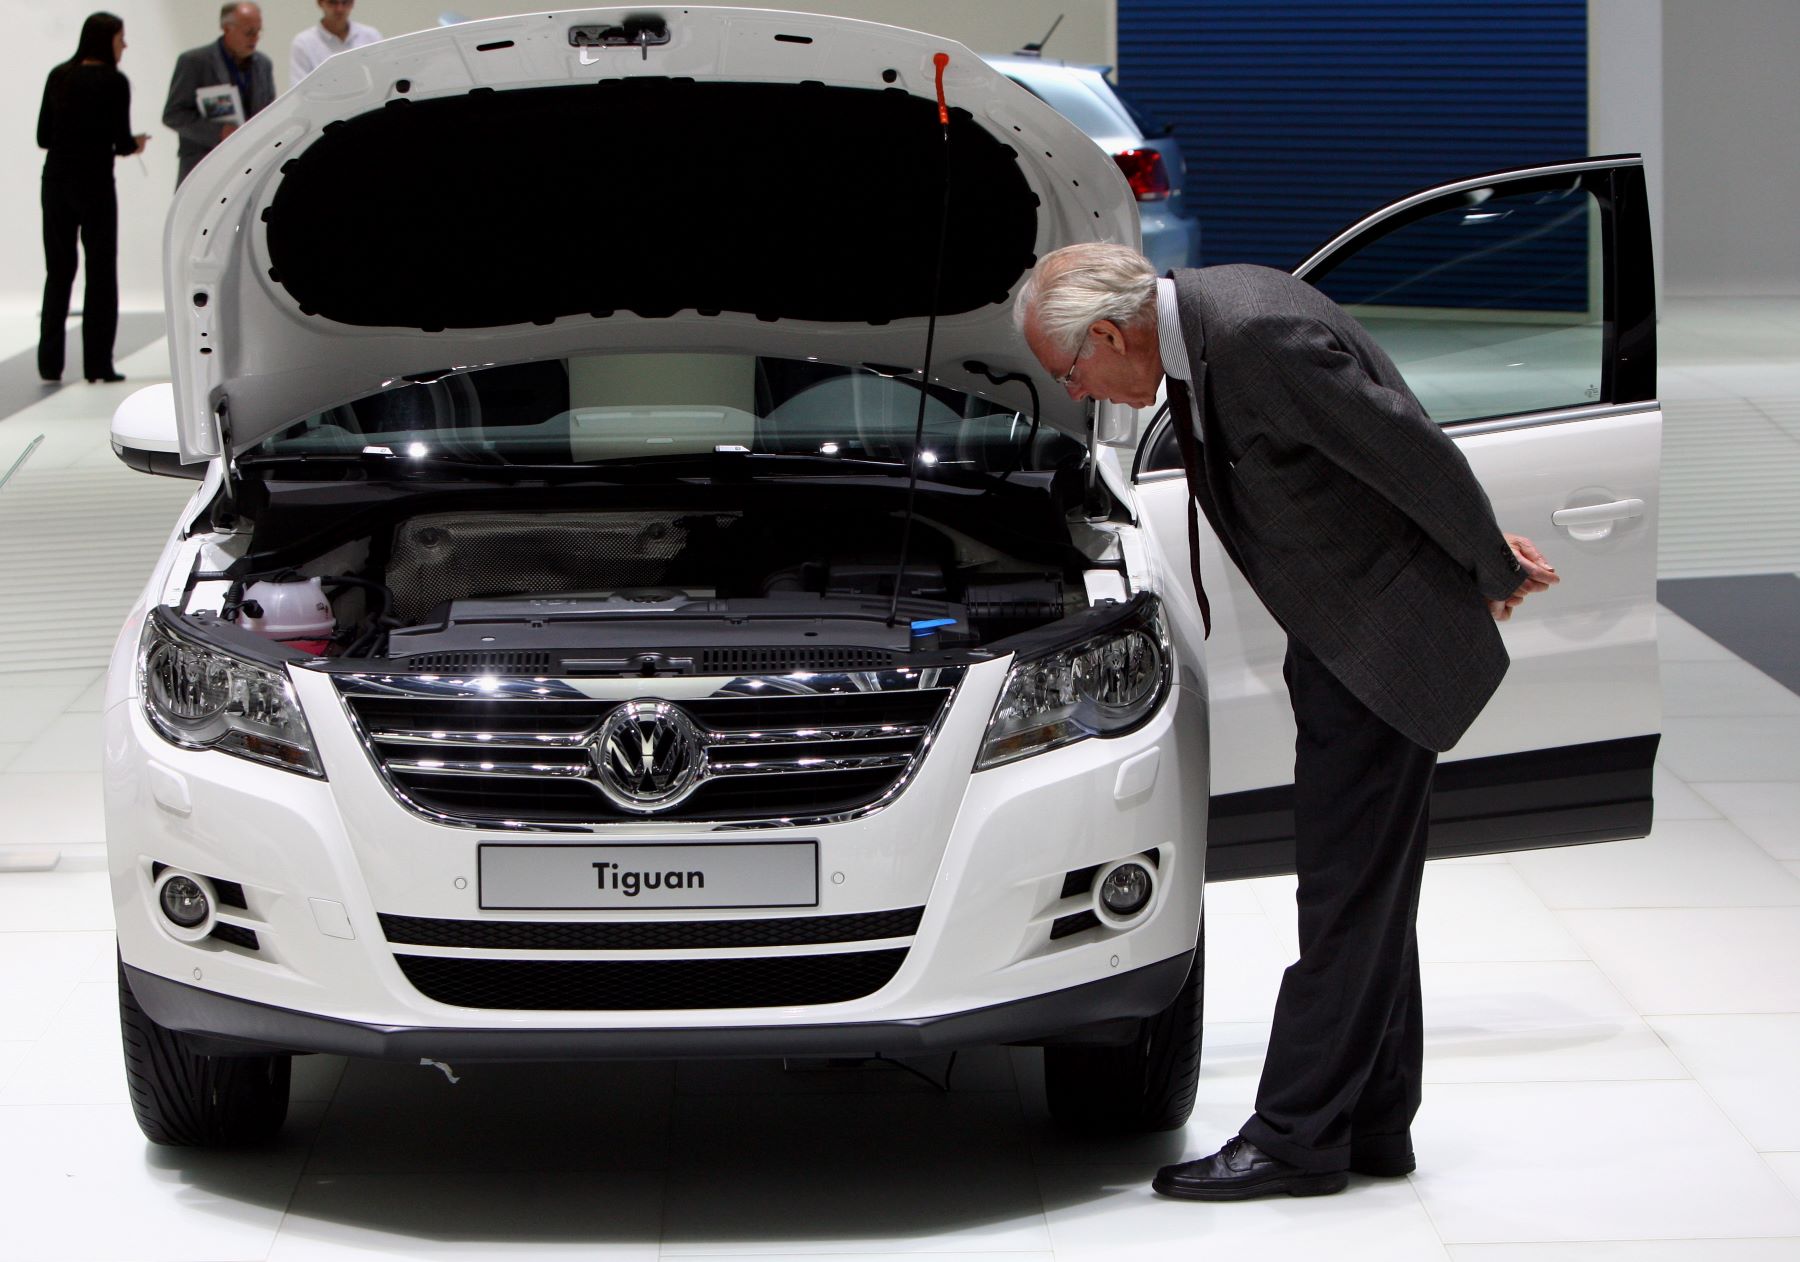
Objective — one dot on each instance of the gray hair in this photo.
(1071, 288)
(228, 13)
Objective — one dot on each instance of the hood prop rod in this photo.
(224, 512)
(939, 60)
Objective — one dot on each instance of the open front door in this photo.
(1519, 306)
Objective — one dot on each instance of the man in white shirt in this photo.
(334, 33)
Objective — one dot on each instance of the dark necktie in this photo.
(1181, 416)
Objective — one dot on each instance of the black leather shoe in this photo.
(1240, 1170)
(108, 376)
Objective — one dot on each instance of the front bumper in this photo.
(239, 1026)
(332, 877)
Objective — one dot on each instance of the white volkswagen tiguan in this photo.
(618, 618)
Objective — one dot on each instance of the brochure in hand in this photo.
(220, 104)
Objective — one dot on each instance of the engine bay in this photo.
(655, 589)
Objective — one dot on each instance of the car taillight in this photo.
(1145, 172)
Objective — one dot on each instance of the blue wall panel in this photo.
(1298, 116)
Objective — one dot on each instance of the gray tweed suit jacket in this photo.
(205, 67)
(1353, 515)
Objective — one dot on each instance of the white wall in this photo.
(37, 37)
(40, 34)
(1731, 135)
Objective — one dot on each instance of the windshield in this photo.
(596, 409)
(1079, 95)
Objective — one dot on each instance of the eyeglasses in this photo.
(1068, 378)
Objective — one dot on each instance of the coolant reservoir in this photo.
(295, 610)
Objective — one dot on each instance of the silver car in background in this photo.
(1148, 157)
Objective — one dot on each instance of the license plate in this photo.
(701, 875)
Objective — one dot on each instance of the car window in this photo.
(1068, 96)
(1151, 127)
(596, 408)
(1491, 308)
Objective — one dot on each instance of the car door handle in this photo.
(1595, 514)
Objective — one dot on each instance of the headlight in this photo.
(1106, 686)
(200, 697)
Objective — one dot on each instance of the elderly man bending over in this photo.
(1361, 527)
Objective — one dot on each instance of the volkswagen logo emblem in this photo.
(647, 756)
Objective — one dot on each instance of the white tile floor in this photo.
(1612, 1058)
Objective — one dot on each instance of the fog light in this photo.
(1125, 890)
(186, 903)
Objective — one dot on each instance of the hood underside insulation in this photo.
(650, 196)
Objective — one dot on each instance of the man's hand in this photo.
(1539, 575)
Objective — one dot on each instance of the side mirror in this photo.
(144, 434)
(1115, 424)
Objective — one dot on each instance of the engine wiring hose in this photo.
(1000, 379)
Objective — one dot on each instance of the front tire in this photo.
(1142, 1086)
(185, 1099)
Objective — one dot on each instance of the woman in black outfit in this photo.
(85, 122)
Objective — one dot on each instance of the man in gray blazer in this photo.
(1361, 527)
(229, 61)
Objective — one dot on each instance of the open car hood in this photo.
(533, 187)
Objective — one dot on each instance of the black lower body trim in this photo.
(1545, 797)
(241, 1026)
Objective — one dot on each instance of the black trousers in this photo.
(88, 208)
(1341, 1079)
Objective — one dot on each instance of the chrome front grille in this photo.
(517, 752)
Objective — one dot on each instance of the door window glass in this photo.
(1491, 308)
